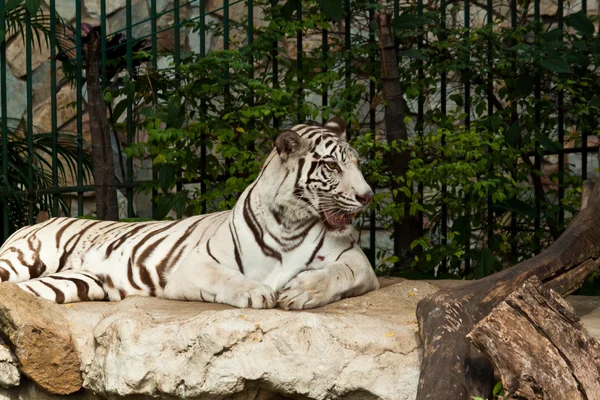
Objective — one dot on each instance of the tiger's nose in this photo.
(364, 199)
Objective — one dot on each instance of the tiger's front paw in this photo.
(256, 297)
(309, 289)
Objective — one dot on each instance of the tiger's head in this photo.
(323, 178)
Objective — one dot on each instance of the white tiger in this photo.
(288, 240)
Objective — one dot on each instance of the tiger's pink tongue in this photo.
(339, 218)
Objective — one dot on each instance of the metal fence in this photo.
(204, 10)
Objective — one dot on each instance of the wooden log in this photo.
(539, 346)
(452, 367)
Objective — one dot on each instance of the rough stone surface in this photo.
(93, 7)
(356, 347)
(17, 101)
(9, 370)
(41, 338)
(139, 12)
(359, 348)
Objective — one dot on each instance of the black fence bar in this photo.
(561, 130)
(513, 215)
(443, 93)
(466, 76)
(372, 220)
(79, 87)
(28, 69)
(538, 161)
(130, 98)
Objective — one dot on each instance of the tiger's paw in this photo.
(309, 289)
(256, 297)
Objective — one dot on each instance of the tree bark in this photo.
(102, 153)
(396, 131)
(453, 368)
(539, 346)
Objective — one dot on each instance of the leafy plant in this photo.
(475, 177)
(26, 172)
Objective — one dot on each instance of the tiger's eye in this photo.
(333, 166)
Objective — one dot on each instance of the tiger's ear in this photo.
(337, 125)
(289, 144)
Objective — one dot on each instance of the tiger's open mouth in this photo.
(338, 219)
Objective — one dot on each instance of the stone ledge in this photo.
(359, 348)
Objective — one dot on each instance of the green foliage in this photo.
(471, 168)
(19, 179)
(218, 102)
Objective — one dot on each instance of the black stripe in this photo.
(121, 239)
(130, 275)
(62, 230)
(314, 254)
(299, 174)
(209, 253)
(351, 270)
(32, 290)
(174, 261)
(59, 296)
(256, 229)
(4, 275)
(236, 249)
(79, 235)
(10, 265)
(38, 267)
(82, 286)
(168, 261)
(351, 246)
(97, 280)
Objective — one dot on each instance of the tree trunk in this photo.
(539, 346)
(453, 368)
(102, 153)
(395, 129)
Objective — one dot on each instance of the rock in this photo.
(358, 346)
(65, 111)
(29, 391)
(9, 370)
(93, 7)
(139, 12)
(17, 100)
(41, 337)
(16, 55)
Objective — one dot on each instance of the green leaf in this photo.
(288, 9)
(462, 227)
(11, 4)
(332, 9)
(517, 206)
(498, 389)
(553, 35)
(409, 21)
(412, 53)
(555, 64)
(486, 264)
(595, 102)
(163, 206)
(166, 176)
(524, 85)
(548, 144)
(581, 23)
(513, 134)
(174, 119)
(33, 6)
(457, 98)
